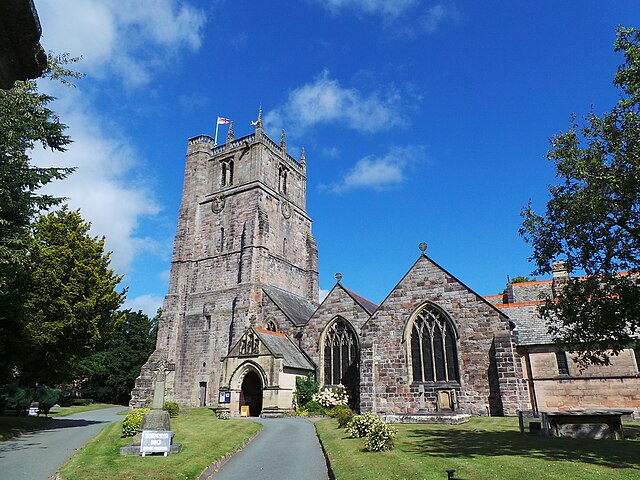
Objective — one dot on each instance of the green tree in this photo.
(592, 222)
(70, 303)
(109, 375)
(25, 122)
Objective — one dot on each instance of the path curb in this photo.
(332, 476)
(212, 469)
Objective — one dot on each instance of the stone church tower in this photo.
(242, 227)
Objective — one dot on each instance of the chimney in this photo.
(560, 276)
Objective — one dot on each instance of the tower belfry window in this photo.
(226, 172)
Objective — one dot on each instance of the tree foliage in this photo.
(70, 304)
(592, 222)
(26, 121)
(109, 375)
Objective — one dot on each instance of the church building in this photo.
(242, 318)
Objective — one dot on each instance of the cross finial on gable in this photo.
(338, 277)
(423, 248)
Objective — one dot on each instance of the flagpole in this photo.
(215, 140)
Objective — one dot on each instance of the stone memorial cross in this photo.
(162, 367)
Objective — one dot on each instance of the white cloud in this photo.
(435, 16)
(403, 16)
(379, 173)
(149, 304)
(383, 7)
(107, 185)
(323, 294)
(325, 101)
(129, 38)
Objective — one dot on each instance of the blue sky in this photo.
(421, 120)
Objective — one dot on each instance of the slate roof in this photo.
(279, 344)
(298, 309)
(368, 305)
(530, 328)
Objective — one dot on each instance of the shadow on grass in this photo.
(449, 442)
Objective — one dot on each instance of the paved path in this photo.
(37, 455)
(286, 449)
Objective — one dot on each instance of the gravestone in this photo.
(156, 421)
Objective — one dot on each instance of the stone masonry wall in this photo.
(230, 242)
(337, 304)
(599, 386)
(386, 385)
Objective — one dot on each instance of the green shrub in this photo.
(360, 425)
(338, 410)
(75, 401)
(306, 387)
(17, 398)
(173, 408)
(314, 408)
(47, 398)
(342, 414)
(380, 437)
(131, 423)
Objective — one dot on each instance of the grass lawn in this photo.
(12, 425)
(204, 440)
(483, 449)
(66, 411)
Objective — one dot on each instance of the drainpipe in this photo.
(532, 389)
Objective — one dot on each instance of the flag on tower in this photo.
(221, 121)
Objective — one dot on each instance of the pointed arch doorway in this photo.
(251, 393)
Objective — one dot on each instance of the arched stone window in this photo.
(271, 326)
(340, 354)
(226, 177)
(433, 347)
(282, 179)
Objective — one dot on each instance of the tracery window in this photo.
(434, 356)
(340, 353)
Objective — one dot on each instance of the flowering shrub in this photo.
(380, 437)
(131, 423)
(332, 397)
(360, 425)
(223, 414)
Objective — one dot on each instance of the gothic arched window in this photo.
(282, 179)
(340, 354)
(271, 326)
(226, 177)
(434, 356)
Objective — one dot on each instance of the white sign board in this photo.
(155, 441)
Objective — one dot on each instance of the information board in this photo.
(155, 441)
(244, 411)
(224, 397)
